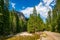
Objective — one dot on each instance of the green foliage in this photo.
(49, 21)
(34, 22)
(54, 19)
(13, 21)
(4, 18)
(58, 23)
(1, 16)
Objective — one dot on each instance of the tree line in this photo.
(53, 19)
(11, 23)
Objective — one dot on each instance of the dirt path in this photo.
(55, 36)
(51, 36)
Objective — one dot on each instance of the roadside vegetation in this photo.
(33, 37)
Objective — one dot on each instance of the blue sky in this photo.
(22, 4)
(26, 6)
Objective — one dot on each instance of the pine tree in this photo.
(6, 18)
(35, 22)
(55, 16)
(49, 21)
(58, 24)
(1, 16)
(34, 12)
(13, 21)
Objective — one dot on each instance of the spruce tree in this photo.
(34, 22)
(1, 16)
(56, 15)
(49, 19)
(6, 18)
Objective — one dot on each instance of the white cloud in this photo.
(13, 5)
(47, 2)
(27, 11)
(43, 10)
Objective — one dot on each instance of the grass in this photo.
(34, 37)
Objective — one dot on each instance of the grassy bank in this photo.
(34, 37)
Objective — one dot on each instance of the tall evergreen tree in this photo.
(34, 22)
(55, 15)
(34, 12)
(48, 21)
(1, 16)
(6, 18)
